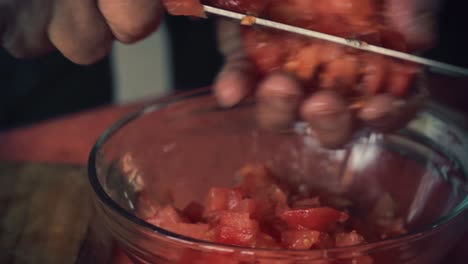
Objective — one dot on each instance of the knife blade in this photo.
(433, 65)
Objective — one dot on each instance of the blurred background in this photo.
(181, 56)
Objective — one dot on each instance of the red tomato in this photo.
(194, 212)
(320, 219)
(348, 239)
(401, 78)
(198, 231)
(235, 228)
(184, 7)
(299, 239)
(374, 73)
(166, 217)
(251, 7)
(219, 199)
(266, 241)
(264, 49)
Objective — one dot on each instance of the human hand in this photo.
(82, 30)
(282, 98)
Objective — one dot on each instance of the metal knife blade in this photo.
(433, 65)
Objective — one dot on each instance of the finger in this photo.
(278, 97)
(328, 114)
(388, 113)
(235, 82)
(416, 20)
(131, 20)
(237, 79)
(23, 28)
(79, 31)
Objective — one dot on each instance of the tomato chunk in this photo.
(184, 7)
(299, 239)
(320, 219)
(236, 229)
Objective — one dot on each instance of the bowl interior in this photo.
(184, 148)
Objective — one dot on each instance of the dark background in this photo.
(34, 90)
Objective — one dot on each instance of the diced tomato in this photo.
(255, 178)
(320, 219)
(184, 7)
(166, 217)
(325, 241)
(348, 239)
(194, 212)
(257, 214)
(235, 228)
(266, 242)
(145, 207)
(235, 236)
(219, 199)
(246, 206)
(264, 49)
(237, 220)
(340, 74)
(401, 78)
(198, 231)
(304, 62)
(299, 239)
(251, 7)
(374, 73)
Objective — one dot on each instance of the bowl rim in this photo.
(158, 104)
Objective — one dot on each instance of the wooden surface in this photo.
(44, 213)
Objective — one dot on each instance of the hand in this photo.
(83, 30)
(281, 98)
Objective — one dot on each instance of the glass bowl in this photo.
(180, 147)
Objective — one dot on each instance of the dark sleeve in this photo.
(195, 56)
(50, 86)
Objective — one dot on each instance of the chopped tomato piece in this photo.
(401, 78)
(198, 231)
(242, 6)
(194, 212)
(167, 216)
(219, 199)
(299, 239)
(320, 219)
(184, 7)
(348, 239)
(236, 229)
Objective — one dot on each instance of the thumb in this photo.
(415, 19)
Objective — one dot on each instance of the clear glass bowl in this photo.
(186, 144)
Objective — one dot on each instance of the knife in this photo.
(435, 66)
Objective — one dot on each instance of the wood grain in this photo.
(45, 213)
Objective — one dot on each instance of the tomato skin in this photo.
(194, 212)
(299, 239)
(401, 78)
(348, 239)
(219, 199)
(319, 219)
(184, 7)
(249, 7)
(234, 228)
(167, 216)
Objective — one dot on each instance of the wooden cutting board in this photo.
(45, 211)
